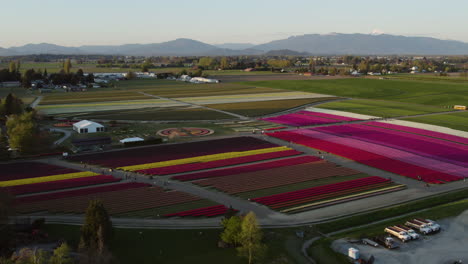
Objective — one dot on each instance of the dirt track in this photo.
(445, 247)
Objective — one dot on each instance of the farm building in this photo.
(10, 84)
(203, 80)
(133, 139)
(86, 126)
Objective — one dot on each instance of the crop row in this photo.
(424, 146)
(299, 120)
(389, 152)
(203, 158)
(117, 201)
(205, 211)
(329, 116)
(47, 178)
(61, 184)
(173, 151)
(368, 158)
(247, 168)
(276, 177)
(219, 163)
(22, 170)
(420, 131)
(320, 192)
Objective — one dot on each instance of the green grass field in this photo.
(265, 107)
(457, 121)
(148, 246)
(382, 108)
(416, 92)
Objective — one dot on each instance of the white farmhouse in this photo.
(86, 126)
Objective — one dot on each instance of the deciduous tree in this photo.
(250, 239)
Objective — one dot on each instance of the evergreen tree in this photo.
(67, 66)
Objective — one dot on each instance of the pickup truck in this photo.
(408, 230)
(402, 235)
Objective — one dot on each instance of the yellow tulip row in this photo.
(206, 158)
(57, 177)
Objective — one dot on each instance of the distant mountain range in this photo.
(311, 44)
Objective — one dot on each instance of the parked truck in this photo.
(420, 227)
(369, 242)
(402, 235)
(431, 224)
(386, 241)
(408, 230)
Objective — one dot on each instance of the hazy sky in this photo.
(94, 22)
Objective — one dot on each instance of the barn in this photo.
(86, 126)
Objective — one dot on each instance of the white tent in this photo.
(133, 139)
(86, 126)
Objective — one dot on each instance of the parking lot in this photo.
(449, 245)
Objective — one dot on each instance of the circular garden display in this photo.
(185, 132)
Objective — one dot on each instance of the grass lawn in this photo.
(381, 108)
(417, 92)
(457, 121)
(456, 78)
(179, 246)
(265, 107)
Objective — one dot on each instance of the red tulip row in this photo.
(80, 192)
(368, 158)
(205, 211)
(23, 170)
(167, 152)
(61, 184)
(219, 163)
(330, 190)
(247, 168)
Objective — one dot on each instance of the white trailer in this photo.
(420, 227)
(402, 235)
(408, 230)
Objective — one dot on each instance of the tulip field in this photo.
(307, 118)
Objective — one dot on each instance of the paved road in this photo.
(67, 134)
(197, 105)
(36, 102)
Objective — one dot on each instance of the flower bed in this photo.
(321, 192)
(205, 158)
(205, 211)
(368, 158)
(299, 120)
(247, 168)
(23, 170)
(422, 132)
(47, 178)
(61, 184)
(218, 163)
(420, 145)
(167, 152)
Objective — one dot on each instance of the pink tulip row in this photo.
(81, 192)
(59, 185)
(420, 145)
(329, 116)
(167, 152)
(247, 168)
(219, 163)
(371, 159)
(319, 192)
(23, 170)
(388, 152)
(299, 120)
(205, 211)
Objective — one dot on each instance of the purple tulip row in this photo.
(247, 168)
(328, 116)
(299, 120)
(59, 185)
(23, 170)
(173, 151)
(219, 163)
